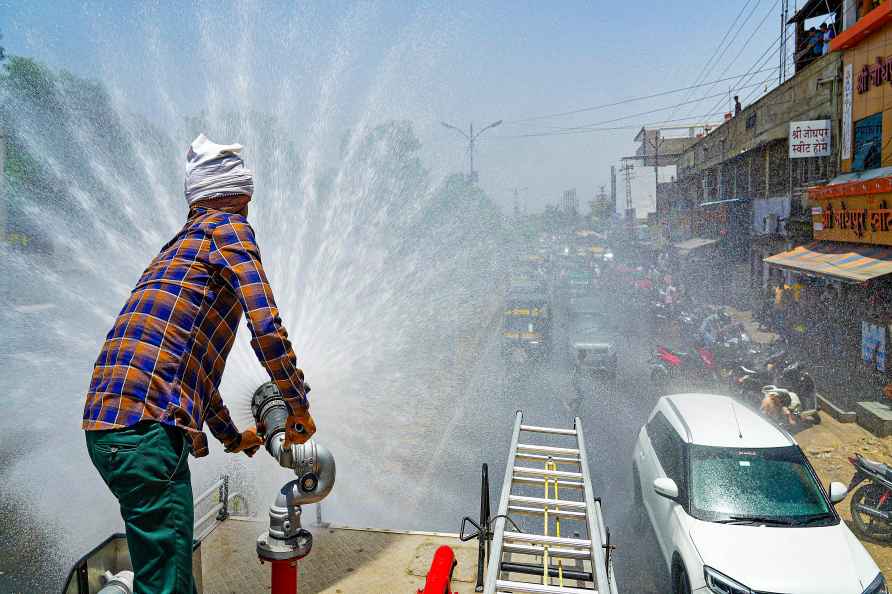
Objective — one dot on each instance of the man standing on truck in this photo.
(154, 384)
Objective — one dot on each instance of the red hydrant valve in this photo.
(439, 577)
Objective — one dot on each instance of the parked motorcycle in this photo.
(662, 313)
(688, 321)
(748, 381)
(872, 503)
(795, 378)
(776, 371)
(669, 364)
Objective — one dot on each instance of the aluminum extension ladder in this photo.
(585, 561)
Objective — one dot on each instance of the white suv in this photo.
(737, 508)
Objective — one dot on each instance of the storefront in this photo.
(705, 262)
(837, 306)
(842, 278)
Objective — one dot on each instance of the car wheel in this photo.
(681, 584)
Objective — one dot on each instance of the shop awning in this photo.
(720, 202)
(686, 247)
(845, 261)
(859, 183)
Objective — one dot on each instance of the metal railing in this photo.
(224, 504)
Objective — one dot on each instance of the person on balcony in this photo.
(827, 35)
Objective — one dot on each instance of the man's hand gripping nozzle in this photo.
(312, 463)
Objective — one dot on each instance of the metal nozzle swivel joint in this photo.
(314, 466)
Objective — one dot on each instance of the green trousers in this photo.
(147, 469)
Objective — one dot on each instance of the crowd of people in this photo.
(816, 43)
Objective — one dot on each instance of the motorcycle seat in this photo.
(679, 354)
(877, 467)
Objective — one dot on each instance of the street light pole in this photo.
(471, 148)
(471, 137)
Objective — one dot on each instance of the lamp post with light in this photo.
(471, 137)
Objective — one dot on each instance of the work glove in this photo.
(249, 442)
(299, 428)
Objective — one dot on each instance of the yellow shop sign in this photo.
(863, 219)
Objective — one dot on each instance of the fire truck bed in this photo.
(343, 561)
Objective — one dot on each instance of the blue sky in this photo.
(340, 62)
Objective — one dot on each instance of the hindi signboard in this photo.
(810, 139)
(857, 219)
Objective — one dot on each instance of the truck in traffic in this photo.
(526, 326)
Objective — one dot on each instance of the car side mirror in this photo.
(666, 487)
(838, 492)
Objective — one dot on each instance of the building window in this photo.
(868, 142)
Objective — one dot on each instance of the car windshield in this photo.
(765, 483)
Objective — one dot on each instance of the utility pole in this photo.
(627, 169)
(782, 71)
(613, 189)
(656, 160)
(656, 146)
(517, 209)
(471, 147)
(600, 204)
(471, 137)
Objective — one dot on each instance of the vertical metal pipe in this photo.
(483, 539)
(284, 577)
(495, 553)
(2, 185)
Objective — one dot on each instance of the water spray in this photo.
(286, 542)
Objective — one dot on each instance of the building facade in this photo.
(744, 184)
(850, 259)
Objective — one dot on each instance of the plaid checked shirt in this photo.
(164, 356)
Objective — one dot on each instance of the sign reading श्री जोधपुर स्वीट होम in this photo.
(810, 139)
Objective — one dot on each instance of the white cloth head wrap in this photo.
(215, 170)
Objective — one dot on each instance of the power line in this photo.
(766, 55)
(746, 77)
(713, 59)
(691, 121)
(764, 58)
(635, 115)
(571, 131)
(627, 100)
(750, 38)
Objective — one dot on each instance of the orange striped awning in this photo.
(850, 262)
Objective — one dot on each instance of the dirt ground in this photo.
(828, 447)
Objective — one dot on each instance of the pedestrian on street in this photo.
(766, 307)
(782, 303)
(582, 382)
(154, 384)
